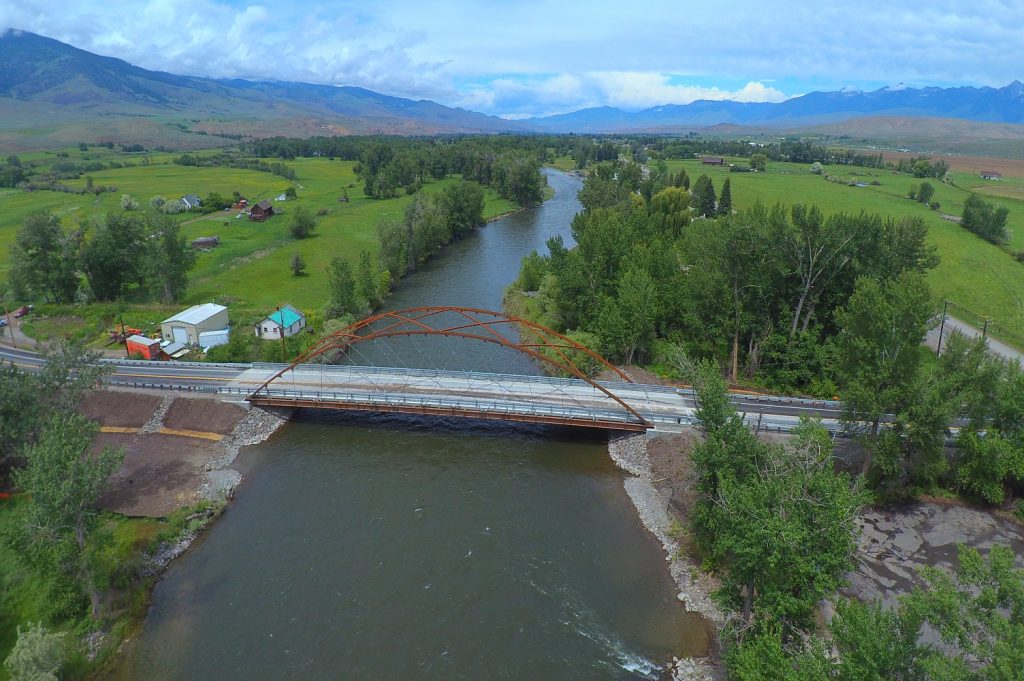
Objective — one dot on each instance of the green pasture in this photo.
(250, 270)
(973, 272)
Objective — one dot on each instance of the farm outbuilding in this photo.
(286, 321)
(186, 326)
(147, 348)
(261, 211)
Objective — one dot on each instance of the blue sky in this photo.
(534, 57)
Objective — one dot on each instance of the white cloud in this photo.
(535, 56)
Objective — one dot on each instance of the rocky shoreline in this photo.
(629, 452)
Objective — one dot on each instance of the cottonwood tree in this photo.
(115, 255)
(64, 479)
(778, 521)
(817, 251)
(463, 206)
(985, 220)
(342, 286)
(882, 327)
(368, 280)
(44, 260)
(168, 260)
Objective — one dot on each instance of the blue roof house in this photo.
(285, 322)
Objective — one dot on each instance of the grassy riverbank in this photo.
(125, 567)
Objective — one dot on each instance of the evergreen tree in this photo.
(703, 196)
(725, 200)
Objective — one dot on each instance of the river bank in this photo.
(658, 469)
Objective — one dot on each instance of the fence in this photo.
(989, 327)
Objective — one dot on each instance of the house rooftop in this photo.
(286, 316)
(196, 314)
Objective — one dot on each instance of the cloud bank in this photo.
(533, 57)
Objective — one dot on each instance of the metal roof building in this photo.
(186, 326)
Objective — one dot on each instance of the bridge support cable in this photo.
(533, 340)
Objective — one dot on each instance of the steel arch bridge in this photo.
(311, 381)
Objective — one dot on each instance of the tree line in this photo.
(127, 253)
(430, 222)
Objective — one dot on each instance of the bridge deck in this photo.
(534, 399)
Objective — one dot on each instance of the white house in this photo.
(190, 201)
(186, 326)
(286, 321)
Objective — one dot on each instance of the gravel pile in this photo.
(156, 421)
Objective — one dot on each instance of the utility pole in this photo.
(280, 318)
(945, 306)
(7, 313)
(124, 334)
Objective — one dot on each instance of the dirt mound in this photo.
(205, 415)
(121, 409)
(160, 473)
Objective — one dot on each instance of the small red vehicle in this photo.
(22, 311)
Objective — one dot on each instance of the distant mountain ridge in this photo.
(44, 80)
(984, 104)
(52, 93)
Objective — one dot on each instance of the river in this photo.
(398, 547)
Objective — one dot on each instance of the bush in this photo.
(303, 223)
(36, 656)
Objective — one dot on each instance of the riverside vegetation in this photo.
(792, 299)
(67, 571)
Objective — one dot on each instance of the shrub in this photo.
(36, 656)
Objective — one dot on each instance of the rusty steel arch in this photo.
(472, 323)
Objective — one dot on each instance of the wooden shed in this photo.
(261, 211)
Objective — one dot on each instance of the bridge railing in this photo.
(396, 402)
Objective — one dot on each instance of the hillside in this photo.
(50, 91)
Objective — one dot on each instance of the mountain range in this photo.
(52, 93)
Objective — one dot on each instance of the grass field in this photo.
(250, 269)
(973, 272)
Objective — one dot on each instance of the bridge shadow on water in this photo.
(443, 425)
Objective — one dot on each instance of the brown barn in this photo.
(261, 211)
(712, 160)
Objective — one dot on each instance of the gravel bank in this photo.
(629, 452)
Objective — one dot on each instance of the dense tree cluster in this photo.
(985, 220)
(145, 254)
(756, 291)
